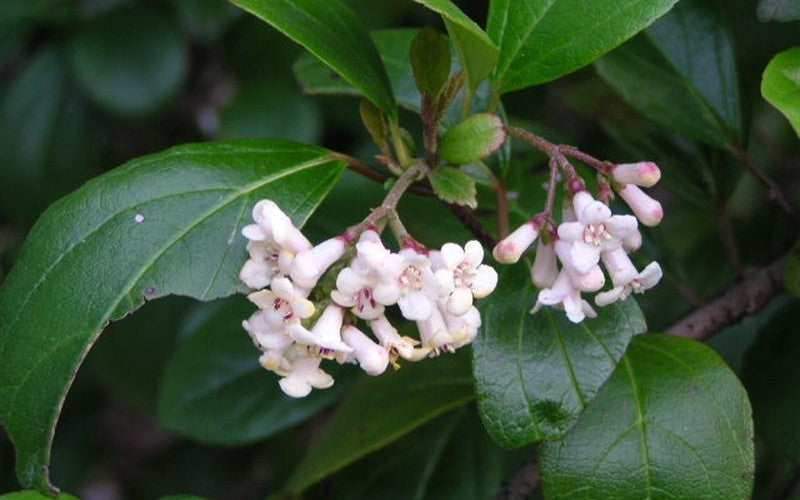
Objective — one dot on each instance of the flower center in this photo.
(595, 234)
(363, 298)
(411, 278)
(463, 275)
(284, 308)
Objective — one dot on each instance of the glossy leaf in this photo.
(375, 413)
(665, 74)
(769, 369)
(535, 373)
(130, 61)
(453, 186)
(478, 54)
(163, 224)
(47, 139)
(215, 391)
(778, 10)
(334, 34)
(780, 85)
(672, 422)
(451, 457)
(35, 495)
(542, 40)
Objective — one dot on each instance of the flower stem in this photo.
(574, 181)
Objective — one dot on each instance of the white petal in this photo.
(445, 279)
(295, 386)
(343, 299)
(594, 213)
(283, 288)
(603, 299)
(473, 253)
(484, 281)
(571, 231)
(255, 274)
(650, 275)
(262, 298)
(302, 307)
(386, 293)
(619, 267)
(253, 232)
(589, 282)
(544, 269)
(349, 282)
(415, 306)
(584, 256)
(460, 301)
(372, 357)
(452, 254)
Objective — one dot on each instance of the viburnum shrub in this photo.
(493, 273)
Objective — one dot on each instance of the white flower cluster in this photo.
(433, 288)
(587, 235)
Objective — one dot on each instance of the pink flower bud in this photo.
(510, 248)
(644, 173)
(646, 209)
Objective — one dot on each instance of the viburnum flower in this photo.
(590, 281)
(325, 335)
(355, 284)
(409, 282)
(463, 328)
(405, 347)
(647, 210)
(643, 173)
(303, 374)
(564, 294)
(462, 276)
(628, 282)
(595, 231)
(273, 243)
(372, 357)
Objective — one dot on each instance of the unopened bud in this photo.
(510, 248)
(544, 269)
(646, 209)
(644, 173)
(309, 265)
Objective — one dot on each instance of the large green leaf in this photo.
(130, 61)
(535, 373)
(769, 369)
(214, 390)
(778, 10)
(478, 54)
(163, 224)
(47, 139)
(672, 422)
(383, 409)
(334, 34)
(682, 74)
(781, 85)
(541, 40)
(450, 457)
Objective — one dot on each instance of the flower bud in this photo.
(646, 209)
(544, 269)
(644, 173)
(510, 248)
(372, 357)
(309, 265)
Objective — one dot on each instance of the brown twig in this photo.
(744, 298)
(522, 483)
(775, 193)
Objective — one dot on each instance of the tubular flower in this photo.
(510, 249)
(409, 282)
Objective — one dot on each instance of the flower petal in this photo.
(460, 301)
(484, 281)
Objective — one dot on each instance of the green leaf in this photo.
(778, 10)
(541, 40)
(450, 457)
(47, 138)
(130, 61)
(334, 34)
(672, 422)
(780, 85)
(770, 365)
(682, 74)
(35, 495)
(472, 139)
(382, 409)
(478, 54)
(535, 373)
(205, 20)
(430, 60)
(453, 186)
(214, 390)
(163, 224)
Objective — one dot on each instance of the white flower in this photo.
(325, 335)
(309, 265)
(544, 269)
(510, 249)
(355, 283)
(463, 277)
(590, 281)
(372, 357)
(274, 241)
(408, 281)
(640, 282)
(647, 210)
(433, 332)
(283, 304)
(303, 375)
(643, 173)
(564, 294)
(271, 338)
(462, 329)
(404, 347)
(595, 231)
